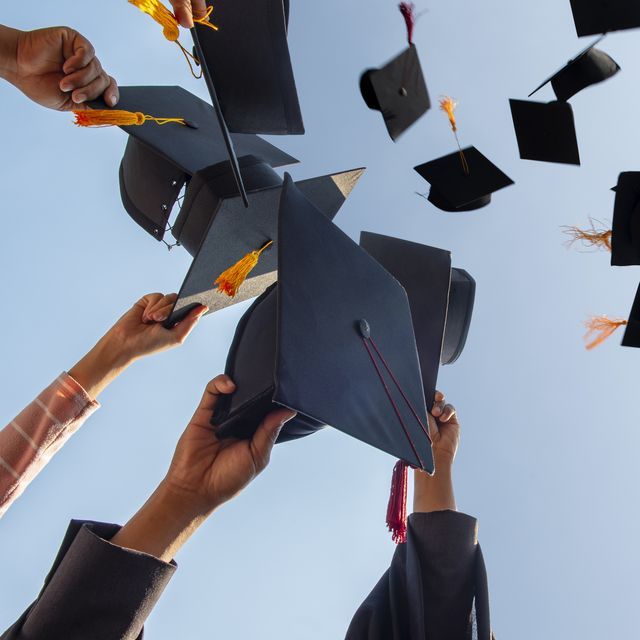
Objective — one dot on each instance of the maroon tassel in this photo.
(407, 9)
(397, 509)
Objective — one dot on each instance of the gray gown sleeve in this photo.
(435, 588)
(94, 590)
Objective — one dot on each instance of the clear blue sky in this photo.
(549, 454)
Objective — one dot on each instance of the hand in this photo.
(444, 430)
(57, 68)
(138, 333)
(186, 10)
(205, 471)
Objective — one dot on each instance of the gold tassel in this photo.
(448, 105)
(593, 237)
(231, 280)
(604, 328)
(170, 26)
(117, 117)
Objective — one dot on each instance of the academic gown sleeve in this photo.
(95, 590)
(435, 588)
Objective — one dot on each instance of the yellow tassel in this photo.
(117, 117)
(231, 280)
(448, 105)
(170, 26)
(604, 328)
(593, 237)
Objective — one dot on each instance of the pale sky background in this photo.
(548, 461)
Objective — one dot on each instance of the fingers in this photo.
(85, 77)
(183, 13)
(199, 8)
(158, 307)
(182, 330)
(267, 434)
(220, 385)
(438, 404)
(448, 412)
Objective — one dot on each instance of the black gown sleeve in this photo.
(435, 588)
(94, 590)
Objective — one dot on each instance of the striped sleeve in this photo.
(29, 441)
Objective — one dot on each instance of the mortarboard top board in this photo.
(304, 344)
(462, 295)
(248, 61)
(454, 190)
(590, 66)
(215, 228)
(545, 131)
(398, 90)
(632, 333)
(625, 237)
(159, 160)
(602, 16)
(425, 274)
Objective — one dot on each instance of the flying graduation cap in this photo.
(602, 16)
(600, 328)
(623, 239)
(545, 132)
(398, 89)
(590, 66)
(462, 187)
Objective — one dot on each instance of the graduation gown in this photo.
(94, 591)
(436, 586)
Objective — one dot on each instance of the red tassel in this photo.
(407, 9)
(397, 509)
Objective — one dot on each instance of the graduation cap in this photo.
(332, 340)
(545, 131)
(600, 328)
(625, 236)
(235, 250)
(160, 159)
(398, 89)
(602, 16)
(455, 189)
(248, 63)
(590, 66)
(425, 274)
(462, 293)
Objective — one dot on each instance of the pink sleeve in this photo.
(35, 435)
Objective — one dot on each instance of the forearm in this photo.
(100, 367)
(434, 493)
(162, 526)
(8, 52)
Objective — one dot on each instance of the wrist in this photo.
(9, 39)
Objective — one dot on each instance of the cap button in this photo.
(403, 92)
(364, 329)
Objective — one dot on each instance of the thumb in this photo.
(267, 434)
(182, 330)
(434, 432)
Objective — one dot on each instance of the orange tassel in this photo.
(448, 105)
(117, 117)
(604, 328)
(231, 280)
(593, 237)
(170, 26)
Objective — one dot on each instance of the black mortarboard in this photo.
(462, 295)
(425, 273)
(454, 190)
(248, 61)
(159, 160)
(625, 236)
(215, 228)
(333, 340)
(398, 90)
(590, 66)
(632, 333)
(601, 16)
(545, 131)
